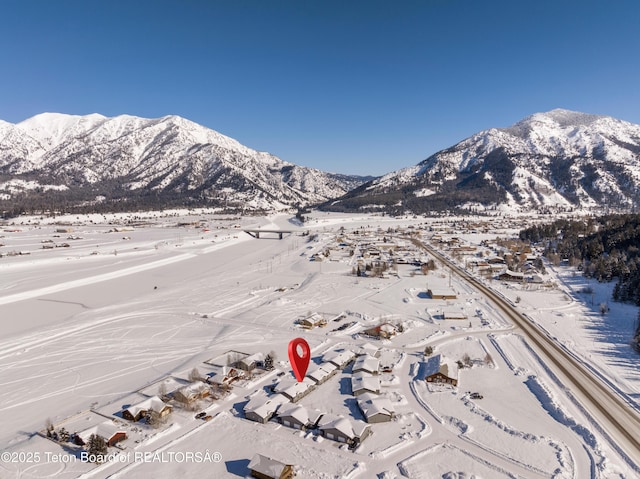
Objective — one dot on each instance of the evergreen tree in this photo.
(96, 446)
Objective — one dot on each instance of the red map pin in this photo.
(299, 361)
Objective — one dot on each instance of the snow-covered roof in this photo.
(263, 405)
(106, 430)
(299, 413)
(322, 371)
(365, 382)
(372, 405)
(350, 428)
(193, 389)
(366, 363)
(152, 404)
(368, 348)
(295, 388)
(338, 357)
(438, 364)
(267, 466)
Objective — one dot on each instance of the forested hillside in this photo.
(606, 248)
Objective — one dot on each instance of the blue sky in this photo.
(362, 87)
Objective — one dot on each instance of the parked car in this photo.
(200, 415)
(476, 396)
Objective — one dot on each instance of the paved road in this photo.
(616, 417)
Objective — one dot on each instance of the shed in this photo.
(454, 314)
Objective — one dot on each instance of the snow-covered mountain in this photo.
(559, 160)
(165, 160)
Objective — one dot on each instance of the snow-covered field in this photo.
(136, 302)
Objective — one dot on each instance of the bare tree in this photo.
(162, 389)
(466, 360)
(488, 360)
(195, 375)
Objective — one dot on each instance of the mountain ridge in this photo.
(167, 160)
(552, 161)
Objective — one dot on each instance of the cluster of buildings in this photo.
(282, 405)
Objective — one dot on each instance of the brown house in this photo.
(442, 294)
(138, 411)
(439, 371)
(107, 430)
(264, 467)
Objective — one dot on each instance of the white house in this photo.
(339, 358)
(367, 364)
(323, 372)
(294, 390)
(375, 408)
(362, 383)
(297, 416)
(261, 407)
(341, 429)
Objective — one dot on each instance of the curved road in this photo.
(619, 420)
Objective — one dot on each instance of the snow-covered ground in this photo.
(134, 303)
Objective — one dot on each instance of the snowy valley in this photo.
(105, 316)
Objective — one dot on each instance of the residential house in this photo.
(294, 390)
(340, 358)
(367, 364)
(249, 363)
(375, 408)
(341, 429)
(107, 430)
(382, 331)
(224, 375)
(439, 370)
(192, 392)
(362, 383)
(298, 417)
(140, 410)
(312, 321)
(323, 372)
(261, 407)
(264, 467)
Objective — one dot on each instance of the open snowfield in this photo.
(136, 302)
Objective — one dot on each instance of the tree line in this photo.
(606, 248)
